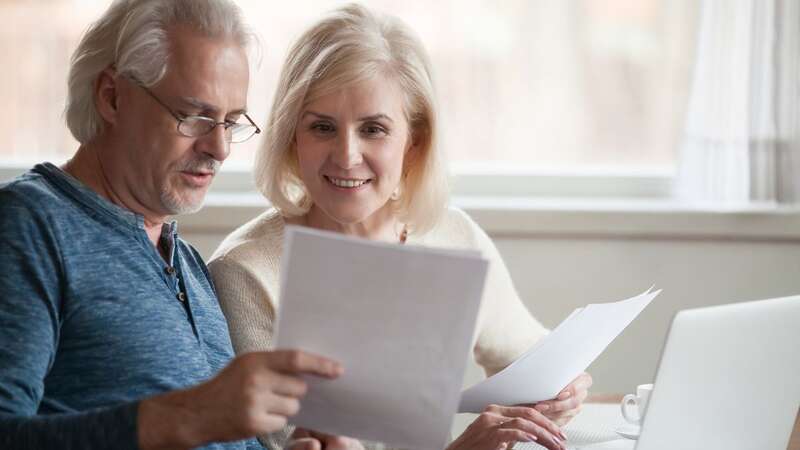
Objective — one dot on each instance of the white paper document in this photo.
(553, 362)
(399, 318)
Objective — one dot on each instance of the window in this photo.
(553, 86)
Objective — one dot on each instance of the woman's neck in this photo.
(380, 226)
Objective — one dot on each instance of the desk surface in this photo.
(794, 441)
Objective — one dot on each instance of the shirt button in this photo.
(181, 297)
(169, 270)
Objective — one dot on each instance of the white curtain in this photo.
(742, 141)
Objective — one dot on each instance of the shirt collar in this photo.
(92, 200)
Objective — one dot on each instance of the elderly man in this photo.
(110, 331)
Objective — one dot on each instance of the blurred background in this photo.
(544, 85)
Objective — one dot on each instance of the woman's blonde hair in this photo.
(349, 45)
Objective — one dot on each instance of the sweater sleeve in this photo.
(506, 329)
(246, 303)
(250, 312)
(31, 278)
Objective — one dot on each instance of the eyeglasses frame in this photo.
(225, 125)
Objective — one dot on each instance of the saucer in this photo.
(628, 431)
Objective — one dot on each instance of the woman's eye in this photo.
(322, 127)
(373, 130)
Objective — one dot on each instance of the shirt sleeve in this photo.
(31, 280)
(104, 428)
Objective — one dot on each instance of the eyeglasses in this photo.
(196, 126)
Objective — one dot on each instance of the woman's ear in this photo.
(413, 142)
(413, 150)
(106, 93)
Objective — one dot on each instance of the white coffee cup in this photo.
(639, 400)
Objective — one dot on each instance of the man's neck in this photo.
(87, 167)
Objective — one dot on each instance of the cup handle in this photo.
(627, 400)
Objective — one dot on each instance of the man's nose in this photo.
(215, 144)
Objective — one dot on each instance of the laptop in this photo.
(729, 379)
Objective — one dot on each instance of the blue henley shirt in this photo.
(93, 318)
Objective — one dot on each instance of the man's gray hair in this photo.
(132, 37)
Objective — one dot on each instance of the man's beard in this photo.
(171, 199)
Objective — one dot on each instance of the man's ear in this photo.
(106, 93)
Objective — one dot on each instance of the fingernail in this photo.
(563, 436)
(542, 407)
(532, 438)
(564, 395)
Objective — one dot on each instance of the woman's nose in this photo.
(347, 153)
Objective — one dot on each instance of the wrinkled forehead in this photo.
(206, 70)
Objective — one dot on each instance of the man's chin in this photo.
(188, 209)
(176, 204)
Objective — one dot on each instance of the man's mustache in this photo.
(205, 165)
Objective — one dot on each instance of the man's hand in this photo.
(568, 402)
(303, 439)
(253, 395)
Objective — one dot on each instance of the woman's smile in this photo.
(347, 184)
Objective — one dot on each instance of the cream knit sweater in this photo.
(245, 269)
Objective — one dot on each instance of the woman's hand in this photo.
(568, 402)
(303, 439)
(498, 427)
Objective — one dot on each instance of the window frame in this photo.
(547, 206)
(473, 181)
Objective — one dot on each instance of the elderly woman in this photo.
(351, 147)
